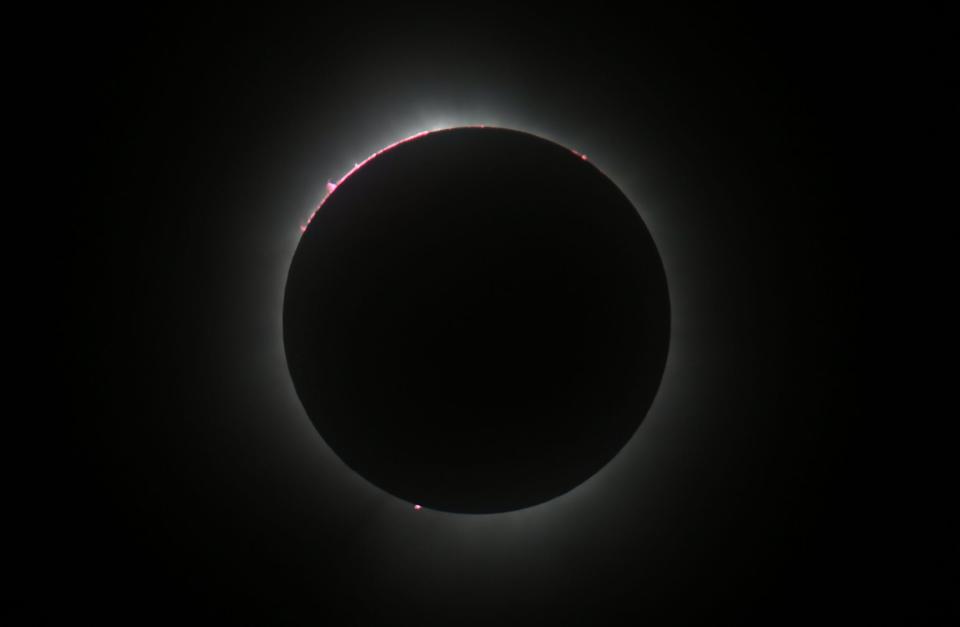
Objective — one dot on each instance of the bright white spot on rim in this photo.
(417, 507)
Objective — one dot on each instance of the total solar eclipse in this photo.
(476, 320)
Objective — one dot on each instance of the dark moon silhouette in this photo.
(476, 320)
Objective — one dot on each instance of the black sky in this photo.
(199, 489)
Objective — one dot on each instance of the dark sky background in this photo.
(197, 487)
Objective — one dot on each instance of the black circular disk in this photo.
(476, 320)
